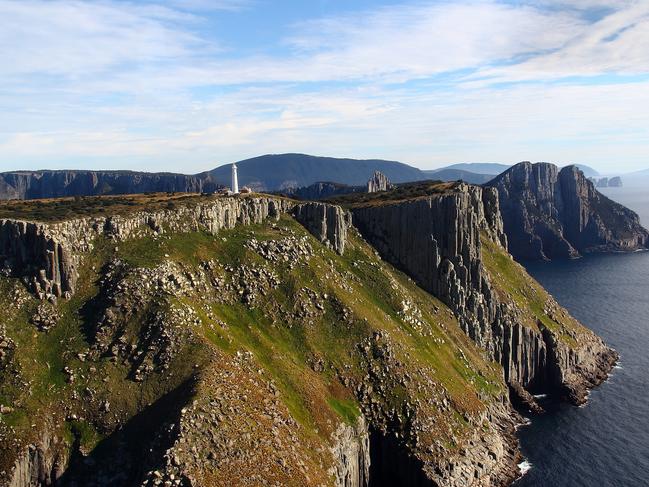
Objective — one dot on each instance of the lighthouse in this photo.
(235, 179)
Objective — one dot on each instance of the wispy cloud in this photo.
(150, 84)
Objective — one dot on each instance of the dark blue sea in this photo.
(605, 443)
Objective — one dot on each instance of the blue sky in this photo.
(186, 85)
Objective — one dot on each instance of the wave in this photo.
(526, 422)
(524, 467)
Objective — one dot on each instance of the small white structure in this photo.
(235, 179)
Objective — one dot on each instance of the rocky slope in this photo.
(553, 213)
(56, 184)
(256, 340)
(453, 245)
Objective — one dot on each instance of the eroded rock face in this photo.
(328, 223)
(553, 213)
(40, 464)
(378, 182)
(48, 254)
(436, 240)
(352, 454)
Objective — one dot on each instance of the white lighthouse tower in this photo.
(235, 179)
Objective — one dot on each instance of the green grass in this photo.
(511, 280)
(347, 409)
(85, 433)
(284, 347)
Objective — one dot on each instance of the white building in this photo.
(235, 179)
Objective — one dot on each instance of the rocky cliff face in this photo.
(55, 184)
(378, 182)
(439, 241)
(42, 464)
(48, 254)
(328, 223)
(557, 213)
(352, 453)
(262, 356)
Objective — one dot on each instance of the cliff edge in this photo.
(257, 340)
(551, 213)
(450, 239)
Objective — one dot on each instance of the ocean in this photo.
(606, 442)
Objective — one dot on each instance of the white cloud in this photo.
(113, 82)
(616, 44)
(81, 39)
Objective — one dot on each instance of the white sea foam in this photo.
(526, 422)
(524, 467)
(540, 396)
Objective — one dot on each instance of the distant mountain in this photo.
(588, 171)
(457, 175)
(265, 173)
(277, 172)
(556, 213)
(492, 168)
(56, 184)
(322, 190)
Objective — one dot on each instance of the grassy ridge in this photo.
(316, 334)
(511, 281)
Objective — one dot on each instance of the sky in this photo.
(187, 85)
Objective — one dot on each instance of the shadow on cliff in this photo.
(391, 465)
(124, 457)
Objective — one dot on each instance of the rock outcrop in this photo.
(437, 241)
(553, 213)
(41, 463)
(378, 182)
(47, 254)
(352, 453)
(615, 182)
(56, 184)
(328, 223)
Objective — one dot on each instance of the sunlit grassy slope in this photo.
(320, 332)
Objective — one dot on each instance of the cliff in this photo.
(378, 182)
(48, 254)
(56, 184)
(232, 341)
(553, 213)
(327, 223)
(453, 245)
(251, 340)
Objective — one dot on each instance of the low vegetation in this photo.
(166, 313)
